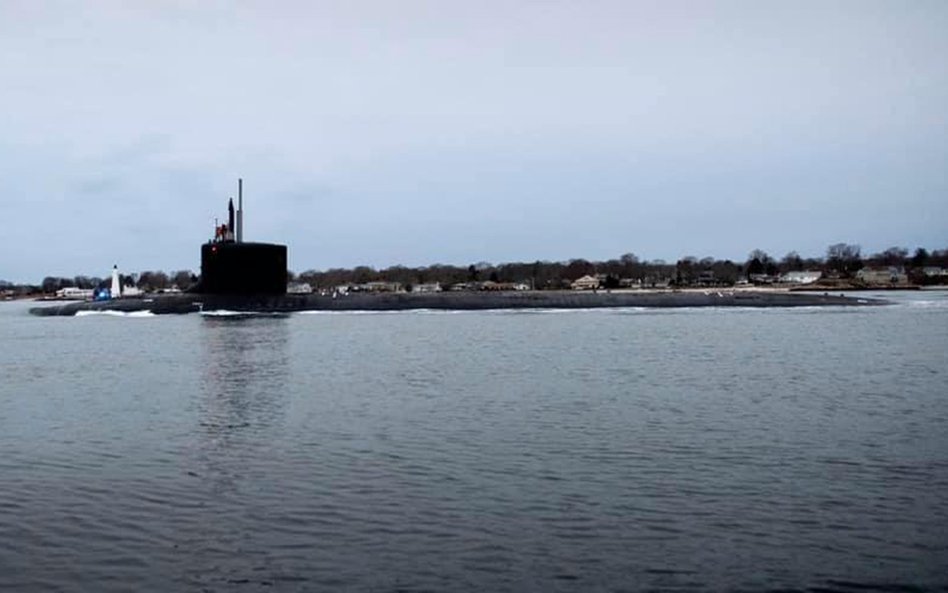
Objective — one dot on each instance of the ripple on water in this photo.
(627, 450)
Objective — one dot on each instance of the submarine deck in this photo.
(460, 301)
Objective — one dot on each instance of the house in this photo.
(429, 287)
(762, 279)
(656, 282)
(299, 288)
(585, 283)
(72, 293)
(378, 286)
(802, 277)
(890, 275)
(706, 278)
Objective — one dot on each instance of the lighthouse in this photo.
(116, 290)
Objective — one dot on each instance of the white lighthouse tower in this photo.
(116, 290)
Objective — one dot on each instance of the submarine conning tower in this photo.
(230, 266)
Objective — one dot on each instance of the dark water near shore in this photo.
(702, 449)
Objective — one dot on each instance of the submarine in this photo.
(251, 278)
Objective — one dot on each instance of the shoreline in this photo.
(851, 288)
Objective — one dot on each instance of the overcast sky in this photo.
(405, 132)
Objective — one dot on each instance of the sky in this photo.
(420, 132)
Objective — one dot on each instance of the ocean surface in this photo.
(607, 450)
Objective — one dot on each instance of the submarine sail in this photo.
(230, 266)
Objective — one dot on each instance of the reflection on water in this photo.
(244, 372)
(242, 396)
(240, 409)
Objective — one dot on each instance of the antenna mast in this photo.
(240, 211)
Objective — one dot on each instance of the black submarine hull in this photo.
(454, 301)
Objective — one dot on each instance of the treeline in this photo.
(539, 274)
(148, 281)
(841, 260)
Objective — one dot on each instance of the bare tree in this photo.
(182, 279)
(758, 262)
(792, 262)
(893, 256)
(844, 258)
(150, 281)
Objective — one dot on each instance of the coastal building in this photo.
(585, 283)
(706, 278)
(377, 286)
(427, 287)
(491, 285)
(801, 277)
(299, 288)
(71, 293)
(488, 285)
(656, 282)
(762, 279)
(889, 275)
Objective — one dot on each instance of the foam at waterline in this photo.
(229, 313)
(115, 313)
(505, 311)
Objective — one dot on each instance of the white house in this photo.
(72, 293)
(890, 275)
(427, 287)
(299, 288)
(803, 277)
(585, 283)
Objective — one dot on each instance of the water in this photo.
(480, 451)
